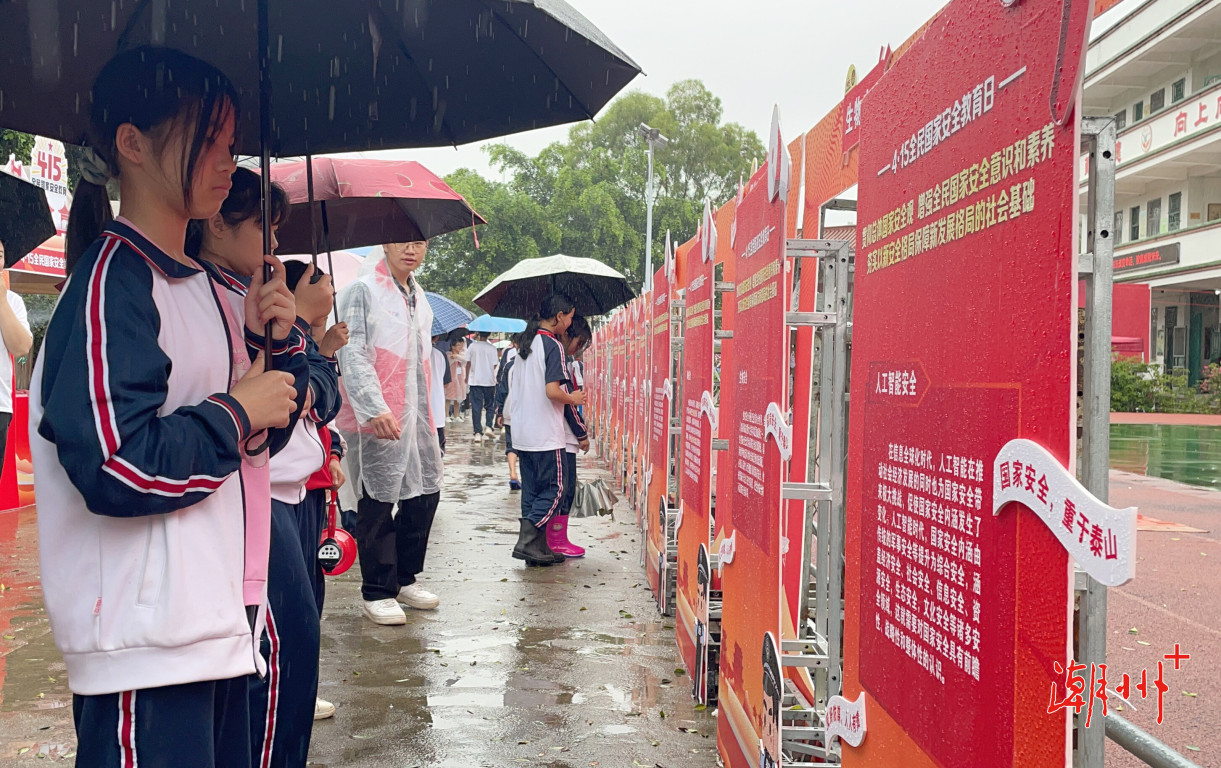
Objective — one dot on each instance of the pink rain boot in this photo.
(557, 538)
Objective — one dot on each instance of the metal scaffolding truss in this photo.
(818, 648)
(1095, 268)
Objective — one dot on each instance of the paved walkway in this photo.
(566, 667)
(1175, 598)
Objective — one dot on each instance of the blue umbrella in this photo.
(489, 324)
(446, 314)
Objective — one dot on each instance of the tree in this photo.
(15, 143)
(585, 197)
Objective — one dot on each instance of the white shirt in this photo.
(6, 361)
(436, 395)
(483, 358)
(538, 421)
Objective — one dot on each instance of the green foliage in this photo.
(1138, 387)
(1210, 379)
(38, 309)
(585, 197)
(15, 143)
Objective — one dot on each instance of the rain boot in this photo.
(557, 538)
(532, 546)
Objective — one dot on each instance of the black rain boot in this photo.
(532, 546)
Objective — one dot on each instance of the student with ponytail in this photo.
(282, 702)
(153, 532)
(540, 392)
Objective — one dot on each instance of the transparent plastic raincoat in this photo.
(386, 368)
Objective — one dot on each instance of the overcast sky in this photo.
(751, 54)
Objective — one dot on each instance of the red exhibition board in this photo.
(697, 413)
(964, 339)
(615, 401)
(643, 352)
(751, 687)
(655, 443)
(638, 371)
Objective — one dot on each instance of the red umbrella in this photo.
(367, 202)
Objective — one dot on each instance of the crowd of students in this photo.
(183, 479)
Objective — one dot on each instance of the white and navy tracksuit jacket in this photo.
(282, 701)
(136, 446)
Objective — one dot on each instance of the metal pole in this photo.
(1142, 745)
(650, 196)
(264, 33)
(1098, 138)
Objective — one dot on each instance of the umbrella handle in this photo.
(268, 365)
(315, 276)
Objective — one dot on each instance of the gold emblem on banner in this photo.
(850, 81)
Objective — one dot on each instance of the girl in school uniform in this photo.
(154, 518)
(539, 393)
(229, 244)
(315, 300)
(576, 438)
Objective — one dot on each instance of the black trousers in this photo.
(483, 402)
(570, 483)
(5, 420)
(392, 549)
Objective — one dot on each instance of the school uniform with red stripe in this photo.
(282, 701)
(145, 551)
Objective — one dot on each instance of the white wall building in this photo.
(1155, 65)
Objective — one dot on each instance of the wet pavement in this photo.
(561, 667)
(572, 666)
(1173, 599)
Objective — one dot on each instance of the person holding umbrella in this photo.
(282, 703)
(394, 456)
(539, 396)
(144, 407)
(15, 333)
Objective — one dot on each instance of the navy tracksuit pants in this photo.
(570, 482)
(311, 520)
(193, 725)
(542, 484)
(282, 703)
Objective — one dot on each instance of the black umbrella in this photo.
(25, 218)
(594, 288)
(342, 76)
(329, 75)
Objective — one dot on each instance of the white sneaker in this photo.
(385, 611)
(417, 597)
(323, 709)
(488, 431)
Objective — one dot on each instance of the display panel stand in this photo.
(818, 648)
